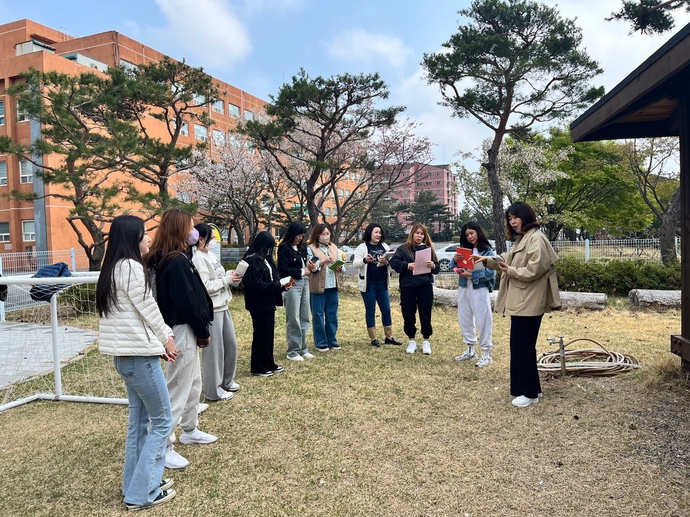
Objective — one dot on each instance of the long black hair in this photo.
(126, 232)
(205, 232)
(261, 246)
(294, 229)
(483, 243)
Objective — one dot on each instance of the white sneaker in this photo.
(486, 360)
(174, 460)
(234, 387)
(307, 355)
(202, 407)
(426, 347)
(197, 436)
(523, 401)
(411, 347)
(297, 358)
(227, 395)
(466, 356)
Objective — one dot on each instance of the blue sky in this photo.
(257, 44)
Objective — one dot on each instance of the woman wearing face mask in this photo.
(188, 309)
(416, 291)
(220, 357)
(474, 304)
(293, 262)
(323, 288)
(528, 289)
(373, 282)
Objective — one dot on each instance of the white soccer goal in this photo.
(48, 350)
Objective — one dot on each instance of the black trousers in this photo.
(524, 377)
(264, 323)
(417, 299)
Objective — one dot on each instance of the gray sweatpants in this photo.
(220, 357)
(184, 381)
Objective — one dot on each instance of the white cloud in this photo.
(361, 46)
(282, 6)
(206, 32)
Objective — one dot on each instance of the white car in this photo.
(445, 255)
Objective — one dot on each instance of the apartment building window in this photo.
(22, 115)
(184, 130)
(438, 182)
(219, 107)
(199, 99)
(340, 192)
(4, 232)
(347, 193)
(328, 212)
(200, 132)
(218, 137)
(26, 172)
(3, 174)
(248, 115)
(28, 231)
(234, 110)
(438, 192)
(2, 113)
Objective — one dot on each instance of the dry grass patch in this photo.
(366, 431)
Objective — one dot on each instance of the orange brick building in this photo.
(24, 44)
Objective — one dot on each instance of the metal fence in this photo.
(602, 250)
(22, 263)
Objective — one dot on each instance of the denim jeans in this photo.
(149, 404)
(296, 302)
(377, 293)
(324, 316)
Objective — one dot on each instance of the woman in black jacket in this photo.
(261, 296)
(186, 308)
(416, 291)
(292, 262)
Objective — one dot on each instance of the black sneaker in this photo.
(392, 341)
(375, 342)
(263, 374)
(278, 369)
(163, 497)
(167, 484)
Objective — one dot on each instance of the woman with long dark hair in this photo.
(416, 291)
(220, 357)
(528, 289)
(373, 280)
(261, 296)
(323, 288)
(292, 262)
(474, 304)
(131, 328)
(188, 309)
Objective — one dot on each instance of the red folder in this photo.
(464, 262)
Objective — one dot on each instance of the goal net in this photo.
(49, 349)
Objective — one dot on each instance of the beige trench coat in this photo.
(529, 287)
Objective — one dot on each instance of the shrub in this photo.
(616, 277)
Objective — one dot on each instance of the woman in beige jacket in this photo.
(528, 289)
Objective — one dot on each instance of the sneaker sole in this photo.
(196, 442)
(527, 405)
(136, 507)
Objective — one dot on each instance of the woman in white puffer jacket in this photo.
(132, 329)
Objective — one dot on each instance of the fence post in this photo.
(586, 250)
(74, 259)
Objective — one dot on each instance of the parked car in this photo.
(445, 255)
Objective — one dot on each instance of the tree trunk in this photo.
(667, 235)
(654, 298)
(497, 211)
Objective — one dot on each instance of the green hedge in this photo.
(616, 277)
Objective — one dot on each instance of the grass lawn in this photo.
(363, 431)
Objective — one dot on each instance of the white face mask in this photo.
(324, 239)
(213, 246)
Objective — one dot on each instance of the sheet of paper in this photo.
(285, 280)
(421, 257)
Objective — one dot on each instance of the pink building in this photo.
(437, 179)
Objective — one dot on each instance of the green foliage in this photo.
(649, 16)
(616, 277)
